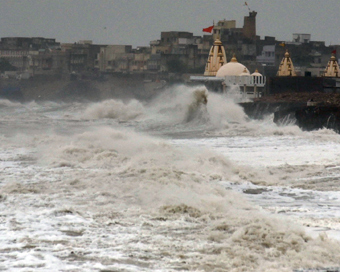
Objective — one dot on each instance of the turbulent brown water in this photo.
(175, 184)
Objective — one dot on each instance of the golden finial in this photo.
(217, 41)
(287, 54)
(233, 58)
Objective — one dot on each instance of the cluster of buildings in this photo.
(220, 75)
(175, 52)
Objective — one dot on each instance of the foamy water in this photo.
(175, 184)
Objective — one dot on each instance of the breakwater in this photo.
(307, 117)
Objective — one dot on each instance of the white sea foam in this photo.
(8, 103)
(104, 197)
(179, 104)
(115, 109)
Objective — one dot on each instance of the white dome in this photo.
(232, 68)
(256, 73)
(245, 72)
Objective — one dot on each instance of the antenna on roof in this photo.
(246, 4)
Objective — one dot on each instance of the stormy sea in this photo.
(183, 182)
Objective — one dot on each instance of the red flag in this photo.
(208, 29)
(334, 52)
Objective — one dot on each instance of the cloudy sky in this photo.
(136, 22)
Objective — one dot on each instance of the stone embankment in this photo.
(310, 111)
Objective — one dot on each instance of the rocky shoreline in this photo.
(320, 98)
(310, 111)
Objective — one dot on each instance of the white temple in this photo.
(232, 73)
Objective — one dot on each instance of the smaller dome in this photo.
(256, 73)
(245, 72)
(232, 68)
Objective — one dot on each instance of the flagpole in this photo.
(246, 4)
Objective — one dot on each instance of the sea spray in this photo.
(111, 198)
(234, 93)
(132, 196)
(115, 109)
(223, 111)
(179, 104)
(7, 103)
(197, 109)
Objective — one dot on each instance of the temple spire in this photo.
(216, 59)
(286, 66)
(332, 69)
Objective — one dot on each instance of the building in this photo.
(267, 56)
(224, 27)
(300, 38)
(229, 74)
(238, 40)
(33, 55)
(249, 26)
(81, 56)
(140, 61)
(179, 52)
(114, 58)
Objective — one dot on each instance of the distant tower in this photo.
(332, 69)
(249, 27)
(286, 66)
(216, 58)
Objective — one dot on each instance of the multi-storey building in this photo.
(175, 52)
(33, 55)
(114, 58)
(81, 56)
(179, 52)
(141, 57)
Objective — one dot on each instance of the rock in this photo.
(318, 117)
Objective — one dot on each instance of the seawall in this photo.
(307, 117)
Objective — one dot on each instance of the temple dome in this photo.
(232, 68)
(256, 73)
(258, 78)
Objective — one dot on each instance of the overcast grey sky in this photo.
(136, 22)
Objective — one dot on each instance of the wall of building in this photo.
(249, 27)
(296, 84)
